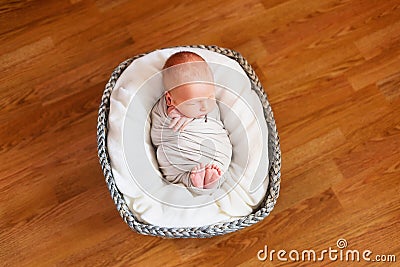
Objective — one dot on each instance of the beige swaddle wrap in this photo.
(202, 141)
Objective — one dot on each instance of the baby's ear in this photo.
(168, 98)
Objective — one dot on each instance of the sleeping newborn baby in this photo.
(193, 147)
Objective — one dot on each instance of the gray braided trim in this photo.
(211, 230)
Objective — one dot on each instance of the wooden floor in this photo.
(331, 70)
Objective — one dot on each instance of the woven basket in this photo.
(211, 230)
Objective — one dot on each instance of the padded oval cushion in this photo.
(133, 159)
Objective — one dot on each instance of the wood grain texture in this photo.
(331, 72)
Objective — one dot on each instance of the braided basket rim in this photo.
(272, 193)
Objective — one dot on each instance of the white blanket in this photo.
(133, 159)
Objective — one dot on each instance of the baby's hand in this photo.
(179, 121)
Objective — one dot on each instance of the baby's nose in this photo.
(203, 105)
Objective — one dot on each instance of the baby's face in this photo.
(194, 100)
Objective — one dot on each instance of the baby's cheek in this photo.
(190, 112)
(213, 104)
(211, 108)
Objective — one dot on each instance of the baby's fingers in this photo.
(173, 122)
(174, 115)
(179, 124)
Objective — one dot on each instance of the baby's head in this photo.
(189, 84)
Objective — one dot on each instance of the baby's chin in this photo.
(195, 116)
(199, 115)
